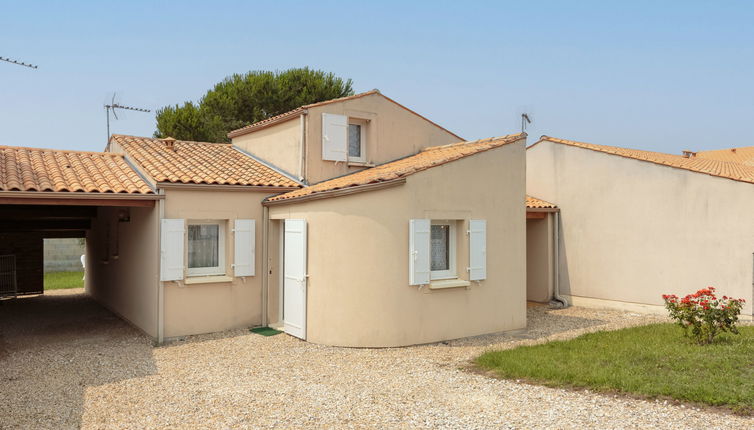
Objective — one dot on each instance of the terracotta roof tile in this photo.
(51, 170)
(723, 169)
(199, 163)
(535, 203)
(742, 155)
(299, 110)
(427, 158)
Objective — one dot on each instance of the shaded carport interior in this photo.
(541, 231)
(112, 224)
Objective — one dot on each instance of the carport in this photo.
(62, 194)
(541, 255)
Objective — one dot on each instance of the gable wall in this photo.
(279, 145)
(393, 132)
(633, 230)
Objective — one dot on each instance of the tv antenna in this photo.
(111, 108)
(20, 63)
(525, 119)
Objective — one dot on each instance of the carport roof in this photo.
(401, 168)
(35, 170)
(724, 169)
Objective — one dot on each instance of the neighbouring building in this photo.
(638, 224)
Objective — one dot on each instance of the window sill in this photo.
(207, 280)
(448, 283)
(360, 164)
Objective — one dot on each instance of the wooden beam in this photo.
(536, 215)
(144, 203)
(44, 225)
(26, 212)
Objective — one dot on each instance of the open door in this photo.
(294, 278)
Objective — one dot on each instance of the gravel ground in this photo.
(94, 371)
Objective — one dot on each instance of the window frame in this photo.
(362, 123)
(450, 272)
(218, 270)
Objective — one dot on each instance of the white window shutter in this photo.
(172, 233)
(244, 248)
(419, 259)
(477, 249)
(334, 137)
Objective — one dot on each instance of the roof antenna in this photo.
(20, 63)
(525, 119)
(111, 107)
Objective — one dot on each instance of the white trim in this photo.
(208, 271)
(448, 283)
(451, 272)
(208, 280)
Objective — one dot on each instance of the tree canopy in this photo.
(243, 99)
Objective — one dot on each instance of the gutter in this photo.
(336, 193)
(222, 187)
(78, 195)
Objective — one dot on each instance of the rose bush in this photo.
(703, 315)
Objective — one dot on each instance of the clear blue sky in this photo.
(653, 75)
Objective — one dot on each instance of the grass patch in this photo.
(649, 361)
(63, 280)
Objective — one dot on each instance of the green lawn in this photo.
(649, 361)
(62, 280)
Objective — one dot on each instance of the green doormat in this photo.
(265, 331)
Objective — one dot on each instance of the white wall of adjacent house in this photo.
(634, 230)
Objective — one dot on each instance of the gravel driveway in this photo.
(95, 371)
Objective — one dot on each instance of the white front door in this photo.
(294, 278)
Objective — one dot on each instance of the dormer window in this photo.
(356, 141)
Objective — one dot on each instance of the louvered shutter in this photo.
(477, 249)
(244, 247)
(171, 249)
(419, 267)
(334, 137)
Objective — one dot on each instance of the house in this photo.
(352, 222)
(638, 224)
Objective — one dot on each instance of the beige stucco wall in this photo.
(392, 132)
(122, 266)
(633, 230)
(204, 308)
(358, 291)
(539, 259)
(279, 145)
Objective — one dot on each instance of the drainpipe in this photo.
(265, 263)
(302, 167)
(557, 302)
(160, 284)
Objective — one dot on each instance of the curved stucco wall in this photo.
(634, 230)
(358, 291)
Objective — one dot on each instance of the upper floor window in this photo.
(356, 142)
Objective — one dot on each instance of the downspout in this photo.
(160, 284)
(302, 168)
(558, 301)
(265, 264)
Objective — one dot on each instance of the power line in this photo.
(20, 63)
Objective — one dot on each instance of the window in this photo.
(357, 141)
(206, 248)
(443, 250)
